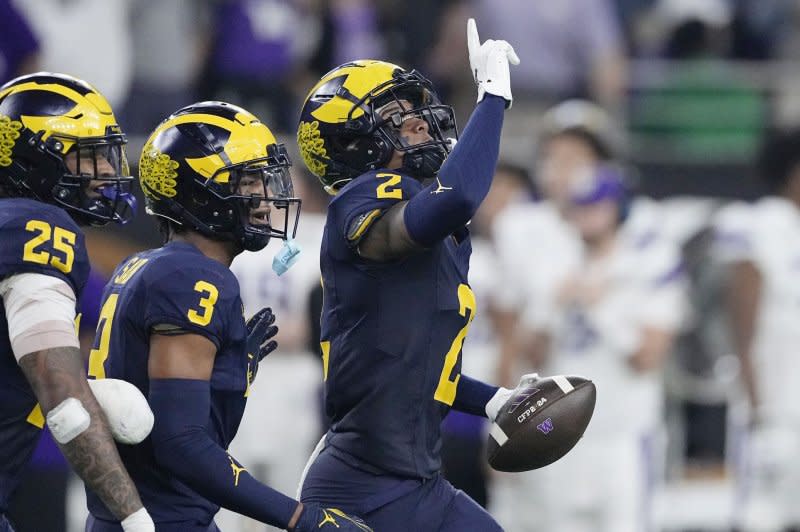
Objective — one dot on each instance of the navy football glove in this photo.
(328, 519)
(260, 329)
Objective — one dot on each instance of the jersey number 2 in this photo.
(385, 190)
(99, 353)
(446, 390)
(63, 241)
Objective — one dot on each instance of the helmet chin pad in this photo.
(424, 162)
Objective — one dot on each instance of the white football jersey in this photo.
(480, 350)
(641, 285)
(534, 245)
(766, 233)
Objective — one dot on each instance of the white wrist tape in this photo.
(138, 521)
(68, 420)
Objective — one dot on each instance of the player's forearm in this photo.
(653, 350)
(472, 396)
(743, 296)
(463, 181)
(57, 375)
(183, 447)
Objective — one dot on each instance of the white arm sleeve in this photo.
(40, 310)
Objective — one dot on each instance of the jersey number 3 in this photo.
(202, 316)
(62, 241)
(446, 390)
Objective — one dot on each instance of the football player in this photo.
(62, 165)
(279, 461)
(172, 321)
(752, 240)
(616, 309)
(397, 304)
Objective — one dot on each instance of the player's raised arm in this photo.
(40, 311)
(385, 130)
(464, 179)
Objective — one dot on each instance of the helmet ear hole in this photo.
(361, 153)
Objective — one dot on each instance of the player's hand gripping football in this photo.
(489, 64)
(260, 329)
(315, 517)
(502, 396)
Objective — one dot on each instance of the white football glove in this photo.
(502, 396)
(489, 64)
(129, 415)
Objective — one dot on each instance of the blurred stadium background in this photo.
(692, 90)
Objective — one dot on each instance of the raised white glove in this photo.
(489, 64)
(128, 412)
(502, 396)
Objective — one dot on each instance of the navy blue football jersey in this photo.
(173, 288)
(34, 238)
(391, 334)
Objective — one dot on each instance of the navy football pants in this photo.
(391, 504)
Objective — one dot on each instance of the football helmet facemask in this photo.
(215, 168)
(348, 125)
(60, 143)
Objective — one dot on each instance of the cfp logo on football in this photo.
(530, 410)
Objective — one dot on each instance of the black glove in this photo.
(260, 329)
(315, 517)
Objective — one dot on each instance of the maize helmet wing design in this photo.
(60, 143)
(215, 168)
(342, 132)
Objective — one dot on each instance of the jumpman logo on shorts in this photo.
(328, 519)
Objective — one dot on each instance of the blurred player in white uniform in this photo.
(612, 318)
(574, 134)
(760, 245)
(286, 401)
(538, 250)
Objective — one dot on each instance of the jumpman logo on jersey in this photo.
(237, 470)
(328, 519)
(441, 188)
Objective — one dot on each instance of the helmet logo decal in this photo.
(159, 173)
(9, 133)
(358, 78)
(90, 116)
(247, 139)
(312, 147)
